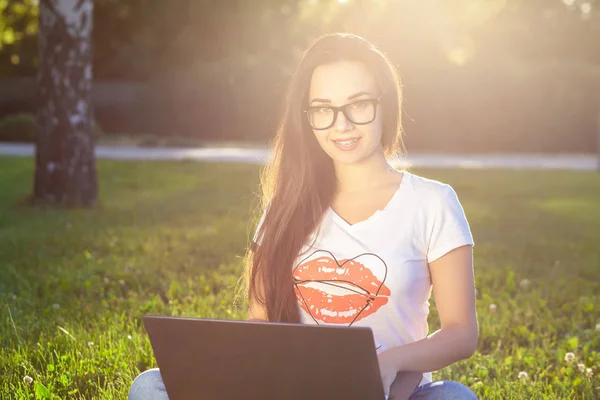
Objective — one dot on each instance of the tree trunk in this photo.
(65, 166)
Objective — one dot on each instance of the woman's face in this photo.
(336, 85)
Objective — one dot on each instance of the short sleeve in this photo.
(450, 228)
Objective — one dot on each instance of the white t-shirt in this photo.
(376, 271)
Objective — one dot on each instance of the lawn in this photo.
(167, 238)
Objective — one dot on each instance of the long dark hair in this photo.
(299, 182)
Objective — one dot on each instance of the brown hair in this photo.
(298, 184)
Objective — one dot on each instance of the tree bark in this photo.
(65, 165)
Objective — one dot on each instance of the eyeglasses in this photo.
(360, 112)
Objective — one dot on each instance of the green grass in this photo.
(167, 238)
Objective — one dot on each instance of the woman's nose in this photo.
(342, 123)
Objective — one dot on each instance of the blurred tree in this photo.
(543, 31)
(134, 39)
(18, 42)
(65, 168)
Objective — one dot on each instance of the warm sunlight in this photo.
(458, 55)
(586, 8)
(269, 164)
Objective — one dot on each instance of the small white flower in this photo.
(597, 326)
(55, 306)
(90, 344)
(524, 283)
(569, 357)
(27, 379)
(129, 337)
(121, 282)
(589, 373)
(493, 307)
(523, 376)
(581, 367)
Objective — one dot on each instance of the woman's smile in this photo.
(347, 144)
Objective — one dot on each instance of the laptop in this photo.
(228, 359)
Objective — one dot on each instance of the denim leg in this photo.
(443, 390)
(148, 386)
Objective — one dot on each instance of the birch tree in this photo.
(65, 167)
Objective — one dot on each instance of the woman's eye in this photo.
(323, 110)
(359, 104)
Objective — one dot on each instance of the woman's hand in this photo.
(404, 382)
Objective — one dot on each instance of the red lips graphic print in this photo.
(341, 291)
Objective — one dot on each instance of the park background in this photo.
(479, 77)
(488, 76)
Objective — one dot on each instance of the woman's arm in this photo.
(454, 290)
(255, 311)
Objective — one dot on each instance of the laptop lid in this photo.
(227, 359)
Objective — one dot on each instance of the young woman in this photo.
(346, 239)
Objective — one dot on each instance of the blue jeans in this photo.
(149, 386)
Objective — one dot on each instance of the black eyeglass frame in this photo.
(336, 110)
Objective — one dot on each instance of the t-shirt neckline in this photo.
(378, 213)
